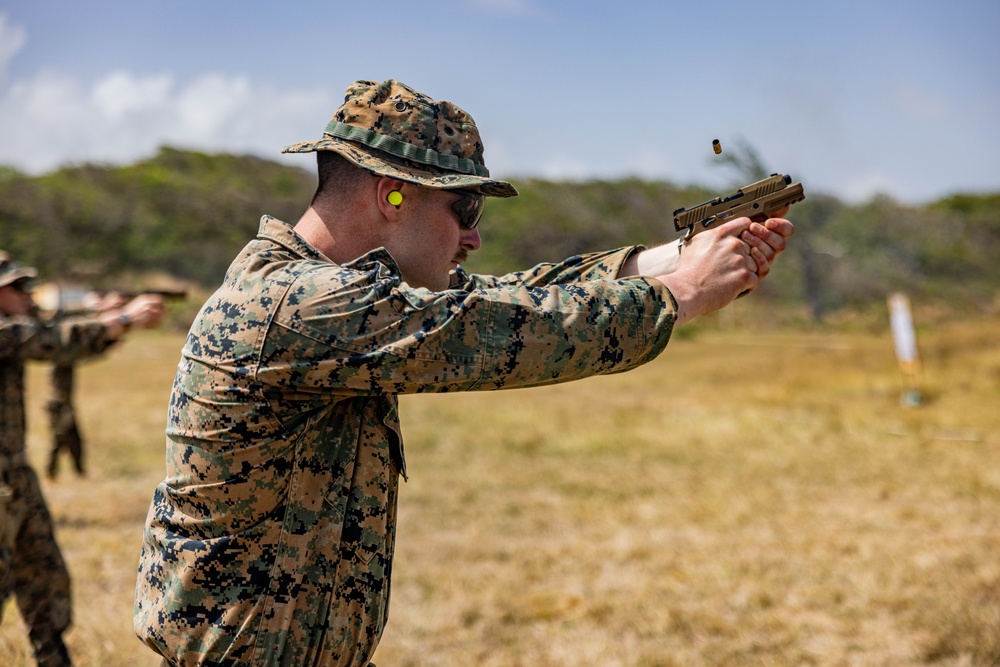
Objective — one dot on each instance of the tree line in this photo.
(185, 214)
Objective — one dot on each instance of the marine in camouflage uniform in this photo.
(31, 566)
(270, 541)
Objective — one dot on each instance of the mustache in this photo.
(461, 256)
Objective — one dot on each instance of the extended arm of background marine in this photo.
(755, 201)
(66, 437)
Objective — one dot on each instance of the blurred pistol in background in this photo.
(167, 294)
(756, 201)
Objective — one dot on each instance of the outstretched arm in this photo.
(145, 310)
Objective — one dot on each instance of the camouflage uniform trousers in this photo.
(31, 566)
(62, 417)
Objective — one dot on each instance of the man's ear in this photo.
(391, 195)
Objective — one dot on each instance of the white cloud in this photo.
(52, 119)
(12, 40)
(121, 94)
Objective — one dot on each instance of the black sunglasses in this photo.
(469, 207)
(24, 285)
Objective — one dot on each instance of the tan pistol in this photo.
(756, 201)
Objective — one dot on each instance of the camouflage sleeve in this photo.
(509, 335)
(61, 340)
(590, 266)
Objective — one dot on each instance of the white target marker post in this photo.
(905, 340)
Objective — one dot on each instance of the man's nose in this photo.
(471, 239)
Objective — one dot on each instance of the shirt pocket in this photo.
(370, 511)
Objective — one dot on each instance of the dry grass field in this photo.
(747, 499)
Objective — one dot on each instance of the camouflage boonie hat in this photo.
(11, 273)
(391, 130)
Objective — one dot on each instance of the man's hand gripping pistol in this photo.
(755, 201)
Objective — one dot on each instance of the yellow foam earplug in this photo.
(394, 198)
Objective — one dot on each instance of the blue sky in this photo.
(853, 98)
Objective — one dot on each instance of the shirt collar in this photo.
(283, 234)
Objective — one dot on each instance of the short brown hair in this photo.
(336, 174)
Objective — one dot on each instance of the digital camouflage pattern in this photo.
(31, 566)
(392, 130)
(66, 437)
(270, 541)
